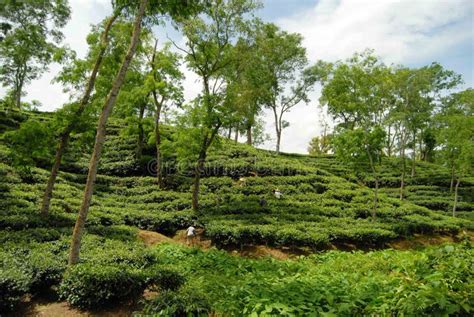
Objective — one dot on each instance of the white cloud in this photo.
(400, 31)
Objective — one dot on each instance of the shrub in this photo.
(14, 284)
(88, 285)
(165, 278)
(183, 303)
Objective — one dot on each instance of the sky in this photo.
(409, 32)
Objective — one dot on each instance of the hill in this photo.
(324, 206)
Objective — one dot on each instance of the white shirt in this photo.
(278, 194)
(191, 231)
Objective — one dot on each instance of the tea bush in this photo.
(188, 302)
(435, 281)
(88, 285)
(14, 283)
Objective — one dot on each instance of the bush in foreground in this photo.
(13, 285)
(185, 302)
(89, 286)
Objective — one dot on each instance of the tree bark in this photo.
(389, 142)
(197, 178)
(278, 143)
(278, 130)
(236, 135)
(159, 173)
(18, 96)
(100, 136)
(141, 133)
(48, 193)
(413, 164)
(229, 133)
(404, 167)
(200, 165)
(376, 191)
(249, 135)
(64, 136)
(456, 196)
(451, 186)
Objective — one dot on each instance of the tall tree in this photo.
(355, 95)
(100, 137)
(362, 149)
(417, 94)
(65, 134)
(31, 33)
(164, 83)
(155, 9)
(209, 52)
(456, 137)
(281, 61)
(320, 144)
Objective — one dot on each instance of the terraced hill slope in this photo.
(322, 204)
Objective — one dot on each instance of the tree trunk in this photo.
(389, 142)
(422, 151)
(278, 130)
(413, 164)
(451, 186)
(278, 143)
(100, 137)
(197, 178)
(159, 174)
(236, 136)
(376, 191)
(249, 135)
(64, 136)
(404, 167)
(48, 193)
(141, 133)
(18, 97)
(456, 196)
(200, 166)
(229, 133)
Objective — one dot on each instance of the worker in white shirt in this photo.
(190, 235)
(277, 193)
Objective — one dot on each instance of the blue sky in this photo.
(409, 32)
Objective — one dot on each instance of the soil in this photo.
(425, 240)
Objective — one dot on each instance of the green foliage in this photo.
(30, 144)
(31, 42)
(320, 145)
(13, 285)
(89, 285)
(187, 302)
(165, 279)
(428, 282)
(359, 147)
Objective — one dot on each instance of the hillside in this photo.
(324, 206)
(323, 202)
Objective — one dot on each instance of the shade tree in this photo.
(31, 32)
(208, 51)
(455, 136)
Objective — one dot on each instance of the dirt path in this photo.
(426, 240)
(152, 238)
(256, 251)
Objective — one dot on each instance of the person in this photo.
(262, 202)
(277, 193)
(190, 235)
